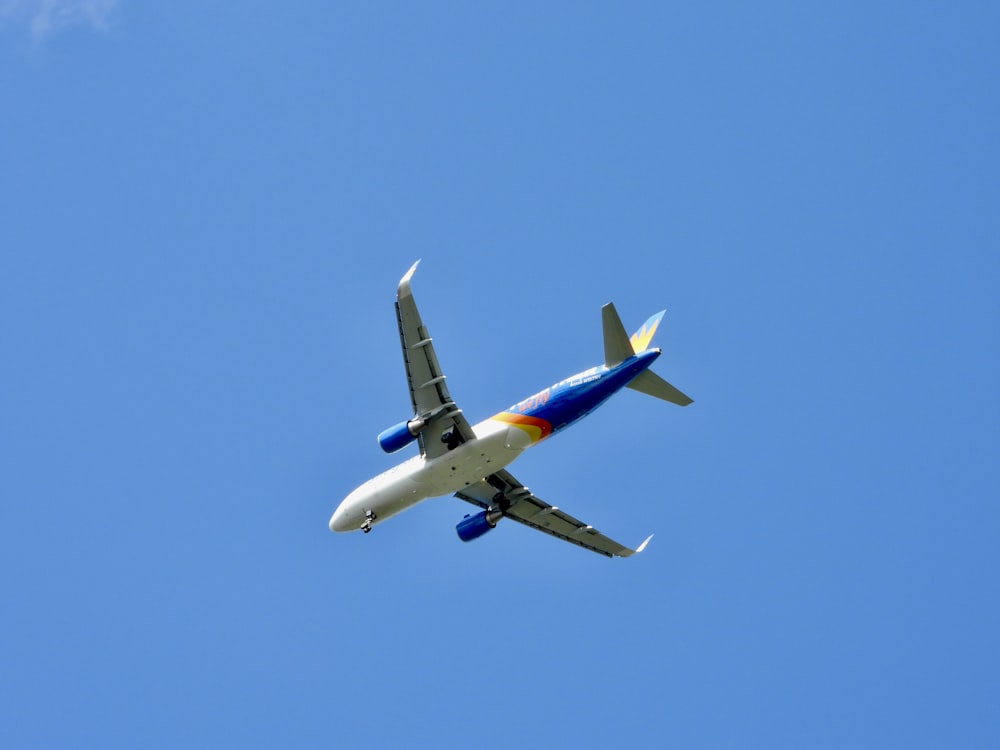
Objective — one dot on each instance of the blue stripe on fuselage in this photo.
(577, 396)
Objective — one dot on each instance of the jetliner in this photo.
(470, 461)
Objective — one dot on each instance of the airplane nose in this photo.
(338, 521)
(349, 513)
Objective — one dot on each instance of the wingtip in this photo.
(629, 552)
(404, 283)
(642, 546)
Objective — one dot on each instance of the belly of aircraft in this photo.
(472, 461)
(418, 479)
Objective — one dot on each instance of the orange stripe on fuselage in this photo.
(537, 429)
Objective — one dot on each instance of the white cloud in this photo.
(47, 16)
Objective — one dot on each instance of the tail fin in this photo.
(641, 338)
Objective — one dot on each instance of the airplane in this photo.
(469, 461)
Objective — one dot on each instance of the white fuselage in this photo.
(496, 445)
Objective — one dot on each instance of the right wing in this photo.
(446, 427)
(501, 489)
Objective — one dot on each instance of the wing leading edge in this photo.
(502, 489)
(445, 425)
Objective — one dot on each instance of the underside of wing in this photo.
(445, 427)
(502, 492)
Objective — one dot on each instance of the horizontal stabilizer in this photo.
(651, 384)
(617, 347)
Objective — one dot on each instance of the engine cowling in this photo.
(473, 527)
(400, 435)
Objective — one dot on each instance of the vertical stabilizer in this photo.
(617, 347)
(641, 338)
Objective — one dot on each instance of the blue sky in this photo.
(205, 211)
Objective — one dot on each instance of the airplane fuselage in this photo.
(499, 441)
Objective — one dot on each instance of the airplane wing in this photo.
(446, 427)
(502, 489)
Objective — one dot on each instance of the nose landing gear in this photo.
(369, 518)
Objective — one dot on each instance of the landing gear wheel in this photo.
(451, 438)
(369, 518)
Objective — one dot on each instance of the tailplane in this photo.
(651, 384)
(619, 346)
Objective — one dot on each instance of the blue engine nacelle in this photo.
(400, 435)
(475, 526)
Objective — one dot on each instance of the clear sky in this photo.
(204, 211)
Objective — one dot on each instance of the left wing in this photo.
(502, 492)
(446, 427)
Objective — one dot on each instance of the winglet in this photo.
(637, 550)
(404, 283)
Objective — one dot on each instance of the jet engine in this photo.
(400, 435)
(475, 526)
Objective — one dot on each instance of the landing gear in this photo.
(369, 519)
(452, 439)
(500, 499)
(500, 502)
